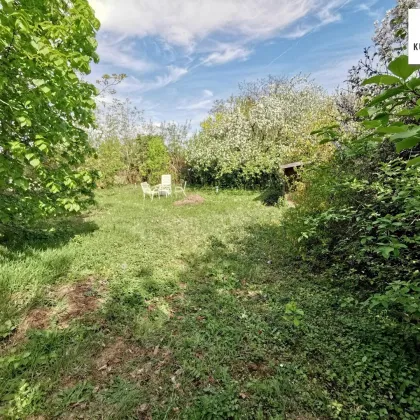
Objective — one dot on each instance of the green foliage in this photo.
(108, 161)
(129, 149)
(293, 314)
(394, 113)
(117, 125)
(156, 160)
(24, 402)
(373, 233)
(45, 108)
(176, 139)
(356, 224)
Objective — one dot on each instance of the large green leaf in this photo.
(362, 113)
(38, 82)
(392, 129)
(406, 134)
(389, 93)
(35, 162)
(413, 83)
(386, 251)
(407, 143)
(382, 79)
(372, 123)
(414, 162)
(408, 112)
(401, 68)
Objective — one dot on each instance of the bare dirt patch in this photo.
(37, 319)
(81, 298)
(116, 353)
(191, 199)
(124, 357)
(78, 299)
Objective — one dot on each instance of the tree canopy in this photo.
(45, 48)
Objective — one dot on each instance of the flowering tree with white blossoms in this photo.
(249, 136)
(391, 34)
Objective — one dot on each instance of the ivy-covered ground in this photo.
(143, 309)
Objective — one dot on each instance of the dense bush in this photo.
(108, 161)
(357, 225)
(155, 160)
(364, 224)
(368, 233)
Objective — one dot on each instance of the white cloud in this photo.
(173, 75)
(228, 53)
(330, 12)
(186, 22)
(368, 8)
(194, 33)
(204, 104)
(327, 14)
(133, 84)
(207, 93)
(122, 57)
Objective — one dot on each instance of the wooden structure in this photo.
(290, 172)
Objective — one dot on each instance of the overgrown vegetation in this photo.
(357, 222)
(229, 308)
(364, 226)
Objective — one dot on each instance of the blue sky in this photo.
(181, 55)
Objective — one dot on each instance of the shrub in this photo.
(272, 195)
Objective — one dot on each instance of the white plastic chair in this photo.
(166, 185)
(181, 188)
(150, 191)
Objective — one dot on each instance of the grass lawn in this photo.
(141, 309)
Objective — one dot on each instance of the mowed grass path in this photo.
(141, 309)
